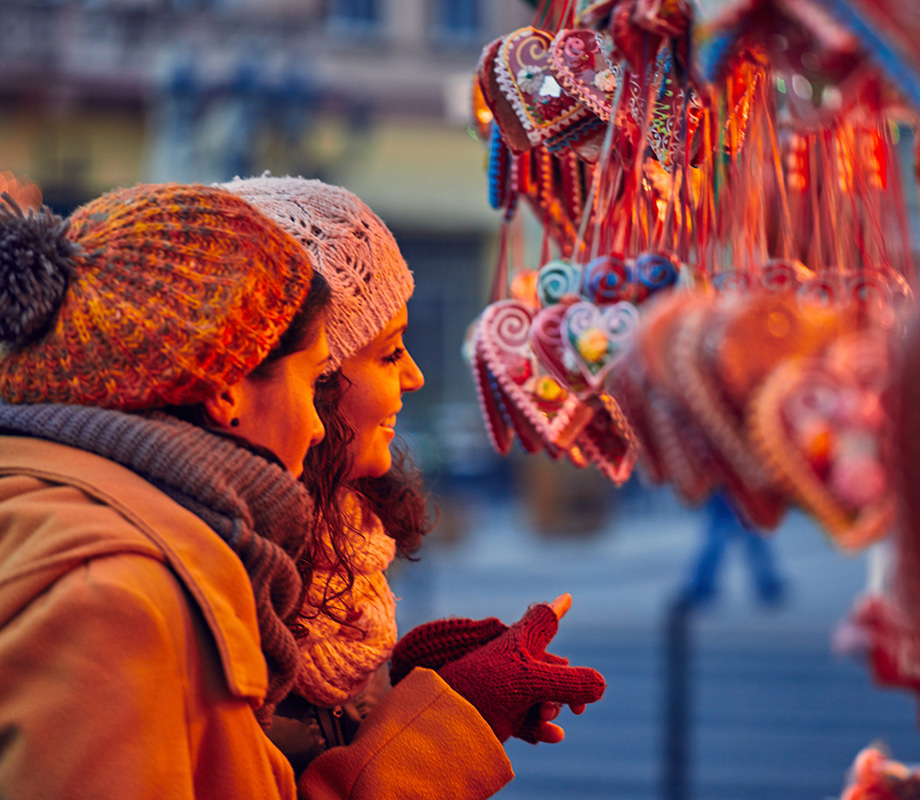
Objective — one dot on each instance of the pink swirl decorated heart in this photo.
(522, 69)
(498, 426)
(595, 337)
(502, 339)
(546, 340)
(581, 63)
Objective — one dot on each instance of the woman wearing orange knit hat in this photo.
(157, 361)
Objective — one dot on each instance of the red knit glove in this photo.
(509, 676)
(437, 643)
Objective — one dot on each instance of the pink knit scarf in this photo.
(337, 659)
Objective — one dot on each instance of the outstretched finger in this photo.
(561, 605)
(572, 686)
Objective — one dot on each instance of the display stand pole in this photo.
(677, 700)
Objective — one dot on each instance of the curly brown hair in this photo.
(398, 498)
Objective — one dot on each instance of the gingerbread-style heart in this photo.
(581, 63)
(498, 426)
(784, 275)
(891, 640)
(502, 337)
(513, 133)
(546, 341)
(669, 18)
(671, 449)
(595, 14)
(702, 394)
(594, 337)
(522, 69)
(674, 100)
(573, 183)
(817, 424)
(609, 442)
(748, 337)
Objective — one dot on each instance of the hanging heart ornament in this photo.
(595, 337)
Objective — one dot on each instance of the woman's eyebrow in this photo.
(398, 332)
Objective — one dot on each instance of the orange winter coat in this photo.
(130, 661)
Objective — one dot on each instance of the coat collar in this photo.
(202, 561)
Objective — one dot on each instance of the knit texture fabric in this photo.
(348, 244)
(338, 658)
(256, 507)
(509, 676)
(438, 643)
(169, 294)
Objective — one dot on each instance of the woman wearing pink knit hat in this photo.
(374, 506)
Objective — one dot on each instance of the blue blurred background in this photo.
(741, 698)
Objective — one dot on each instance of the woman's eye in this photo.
(393, 357)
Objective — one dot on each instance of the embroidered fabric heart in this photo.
(522, 70)
(817, 424)
(594, 337)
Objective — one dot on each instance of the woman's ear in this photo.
(224, 407)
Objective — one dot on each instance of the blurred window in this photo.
(355, 13)
(457, 21)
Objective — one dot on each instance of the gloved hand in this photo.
(437, 643)
(509, 677)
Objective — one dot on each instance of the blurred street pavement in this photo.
(773, 712)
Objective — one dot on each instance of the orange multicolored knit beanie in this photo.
(152, 295)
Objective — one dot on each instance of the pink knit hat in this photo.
(349, 245)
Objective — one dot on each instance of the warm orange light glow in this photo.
(26, 193)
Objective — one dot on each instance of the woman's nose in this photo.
(412, 377)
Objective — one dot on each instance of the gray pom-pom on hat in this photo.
(37, 261)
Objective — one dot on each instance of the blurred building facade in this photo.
(371, 94)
